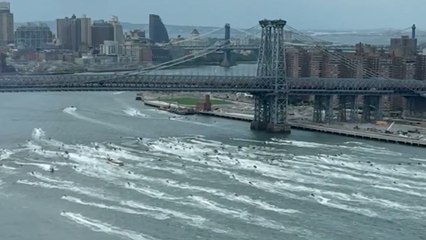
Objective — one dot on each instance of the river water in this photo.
(193, 177)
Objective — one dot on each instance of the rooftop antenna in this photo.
(413, 31)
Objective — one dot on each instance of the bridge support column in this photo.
(347, 102)
(271, 107)
(277, 122)
(323, 103)
(227, 52)
(415, 107)
(260, 113)
(317, 109)
(372, 108)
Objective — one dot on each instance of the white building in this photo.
(118, 30)
(111, 48)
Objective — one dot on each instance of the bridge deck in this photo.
(299, 86)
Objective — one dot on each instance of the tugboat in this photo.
(114, 162)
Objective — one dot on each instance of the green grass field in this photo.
(190, 101)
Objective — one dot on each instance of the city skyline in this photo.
(313, 14)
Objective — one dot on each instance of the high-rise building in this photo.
(74, 33)
(421, 67)
(69, 34)
(157, 30)
(293, 62)
(118, 30)
(6, 24)
(101, 31)
(86, 33)
(33, 36)
(403, 47)
(2, 62)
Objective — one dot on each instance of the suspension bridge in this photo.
(269, 84)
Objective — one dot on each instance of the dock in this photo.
(312, 127)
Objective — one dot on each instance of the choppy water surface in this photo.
(193, 177)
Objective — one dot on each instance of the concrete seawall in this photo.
(311, 127)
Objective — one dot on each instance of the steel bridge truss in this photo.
(271, 108)
(251, 84)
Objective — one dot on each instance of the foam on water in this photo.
(232, 197)
(38, 133)
(7, 167)
(98, 226)
(419, 159)
(133, 112)
(72, 111)
(68, 187)
(151, 192)
(183, 120)
(247, 140)
(319, 179)
(45, 167)
(301, 144)
(204, 203)
(363, 211)
(338, 167)
(49, 179)
(5, 154)
(115, 208)
(404, 191)
(190, 219)
(384, 203)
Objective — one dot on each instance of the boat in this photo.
(115, 162)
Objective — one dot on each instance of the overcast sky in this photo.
(301, 14)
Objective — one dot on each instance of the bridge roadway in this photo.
(201, 83)
(256, 47)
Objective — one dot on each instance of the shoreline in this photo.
(310, 127)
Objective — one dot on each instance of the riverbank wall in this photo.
(311, 127)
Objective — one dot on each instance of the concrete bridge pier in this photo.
(347, 102)
(323, 103)
(372, 108)
(415, 107)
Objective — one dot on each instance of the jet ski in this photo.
(115, 162)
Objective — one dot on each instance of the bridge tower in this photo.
(227, 52)
(271, 107)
